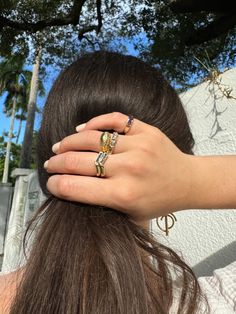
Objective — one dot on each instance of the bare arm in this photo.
(214, 184)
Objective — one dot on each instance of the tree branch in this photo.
(86, 30)
(218, 27)
(90, 28)
(76, 11)
(71, 18)
(99, 15)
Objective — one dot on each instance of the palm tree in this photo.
(12, 81)
(22, 117)
(23, 108)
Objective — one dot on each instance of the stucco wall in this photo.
(207, 238)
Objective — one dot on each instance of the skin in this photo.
(8, 286)
(134, 167)
(150, 182)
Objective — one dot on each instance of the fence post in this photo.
(6, 190)
(34, 199)
(13, 240)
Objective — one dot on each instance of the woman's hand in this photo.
(146, 176)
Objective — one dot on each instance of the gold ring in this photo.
(107, 142)
(128, 124)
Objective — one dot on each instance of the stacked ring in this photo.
(99, 163)
(107, 143)
(113, 140)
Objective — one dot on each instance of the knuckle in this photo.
(63, 145)
(90, 122)
(158, 136)
(91, 139)
(145, 148)
(127, 195)
(135, 165)
(88, 135)
(63, 186)
(71, 162)
(116, 115)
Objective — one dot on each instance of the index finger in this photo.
(113, 121)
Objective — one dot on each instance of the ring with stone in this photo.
(105, 141)
(108, 143)
(128, 124)
(99, 163)
(113, 141)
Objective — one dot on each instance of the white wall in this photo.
(207, 238)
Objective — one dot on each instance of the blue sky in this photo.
(51, 76)
(5, 122)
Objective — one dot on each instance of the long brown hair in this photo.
(91, 259)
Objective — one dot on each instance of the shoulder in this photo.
(220, 288)
(4, 292)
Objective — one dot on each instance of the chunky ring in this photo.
(105, 141)
(99, 163)
(128, 124)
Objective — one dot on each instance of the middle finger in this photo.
(89, 141)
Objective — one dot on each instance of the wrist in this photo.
(198, 182)
(211, 183)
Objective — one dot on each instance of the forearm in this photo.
(213, 184)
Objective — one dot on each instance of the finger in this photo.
(114, 121)
(82, 163)
(81, 189)
(89, 141)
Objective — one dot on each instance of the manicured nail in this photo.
(45, 164)
(55, 147)
(80, 127)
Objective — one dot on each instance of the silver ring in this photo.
(99, 163)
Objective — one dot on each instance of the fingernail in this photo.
(80, 127)
(45, 164)
(55, 147)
